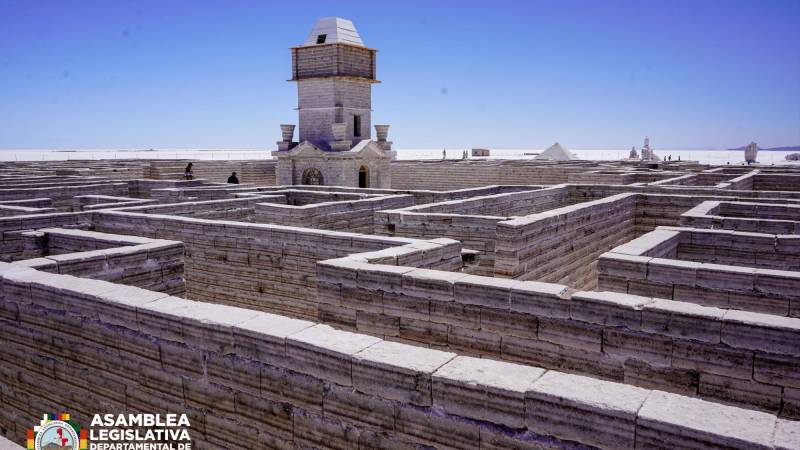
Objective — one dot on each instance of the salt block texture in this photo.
(468, 304)
(744, 216)
(729, 269)
(249, 378)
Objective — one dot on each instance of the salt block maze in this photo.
(477, 304)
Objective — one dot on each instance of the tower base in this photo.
(365, 165)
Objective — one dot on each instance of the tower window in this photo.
(363, 177)
(312, 176)
(356, 126)
(321, 38)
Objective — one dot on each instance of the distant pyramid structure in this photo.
(557, 153)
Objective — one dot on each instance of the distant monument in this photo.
(647, 152)
(633, 154)
(334, 72)
(751, 153)
(556, 153)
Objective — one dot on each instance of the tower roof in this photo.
(333, 30)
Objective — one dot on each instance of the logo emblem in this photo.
(57, 432)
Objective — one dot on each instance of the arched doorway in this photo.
(363, 177)
(312, 176)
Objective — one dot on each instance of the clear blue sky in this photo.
(500, 74)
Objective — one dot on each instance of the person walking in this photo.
(188, 174)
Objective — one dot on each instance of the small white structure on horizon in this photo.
(751, 153)
(633, 154)
(647, 152)
(557, 153)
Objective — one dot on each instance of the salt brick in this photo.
(571, 333)
(587, 410)
(669, 420)
(609, 309)
(762, 332)
(540, 299)
(398, 371)
(326, 353)
(683, 320)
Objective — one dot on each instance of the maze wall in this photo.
(254, 380)
(259, 266)
(646, 306)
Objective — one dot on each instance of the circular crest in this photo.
(57, 435)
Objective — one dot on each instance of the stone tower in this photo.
(334, 73)
(751, 153)
(647, 152)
